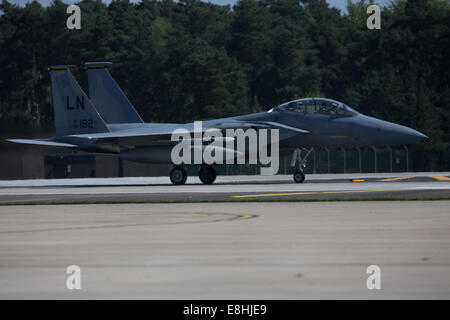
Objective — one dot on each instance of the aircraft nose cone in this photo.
(405, 135)
(389, 134)
(419, 136)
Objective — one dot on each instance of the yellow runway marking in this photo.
(273, 194)
(313, 192)
(441, 178)
(396, 179)
(238, 217)
(245, 216)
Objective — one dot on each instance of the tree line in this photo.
(189, 60)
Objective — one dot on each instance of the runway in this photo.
(229, 188)
(226, 250)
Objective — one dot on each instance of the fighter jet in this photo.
(107, 122)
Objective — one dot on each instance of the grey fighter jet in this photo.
(106, 122)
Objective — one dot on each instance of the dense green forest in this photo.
(186, 60)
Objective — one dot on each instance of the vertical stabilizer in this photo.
(74, 112)
(108, 98)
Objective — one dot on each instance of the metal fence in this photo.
(360, 160)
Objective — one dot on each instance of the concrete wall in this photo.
(27, 162)
(18, 162)
(133, 169)
(106, 166)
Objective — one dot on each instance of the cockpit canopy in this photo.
(318, 106)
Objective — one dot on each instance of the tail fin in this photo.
(74, 112)
(109, 99)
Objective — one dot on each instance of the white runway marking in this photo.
(133, 181)
(226, 188)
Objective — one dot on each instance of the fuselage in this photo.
(305, 123)
(345, 128)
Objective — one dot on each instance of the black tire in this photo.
(178, 176)
(207, 174)
(299, 176)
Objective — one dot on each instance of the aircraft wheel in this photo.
(178, 175)
(207, 174)
(299, 176)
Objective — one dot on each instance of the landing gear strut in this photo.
(178, 175)
(299, 175)
(207, 174)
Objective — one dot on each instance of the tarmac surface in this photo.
(226, 250)
(231, 187)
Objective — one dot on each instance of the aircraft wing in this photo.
(43, 142)
(167, 130)
(158, 135)
(128, 133)
(151, 134)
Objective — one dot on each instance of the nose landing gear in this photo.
(299, 175)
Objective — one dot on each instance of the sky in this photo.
(340, 4)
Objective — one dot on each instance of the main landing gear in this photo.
(206, 173)
(178, 175)
(299, 175)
